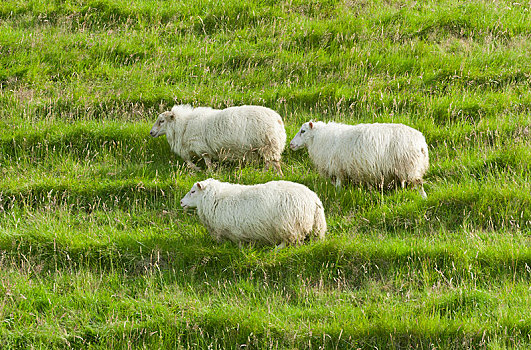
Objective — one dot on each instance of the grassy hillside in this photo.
(96, 252)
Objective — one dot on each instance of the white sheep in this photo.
(277, 212)
(234, 133)
(376, 154)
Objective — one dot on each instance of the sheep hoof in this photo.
(276, 165)
(208, 163)
(194, 167)
(281, 245)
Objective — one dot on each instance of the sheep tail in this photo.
(319, 222)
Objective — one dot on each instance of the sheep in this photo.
(375, 154)
(233, 133)
(277, 212)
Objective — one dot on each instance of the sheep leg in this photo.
(381, 185)
(208, 162)
(338, 183)
(419, 184)
(216, 235)
(281, 245)
(192, 166)
(276, 164)
(422, 192)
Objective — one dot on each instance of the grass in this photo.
(96, 252)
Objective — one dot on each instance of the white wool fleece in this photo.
(370, 153)
(235, 133)
(277, 212)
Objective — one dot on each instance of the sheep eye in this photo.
(303, 131)
(192, 191)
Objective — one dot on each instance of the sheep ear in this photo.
(311, 125)
(199, 185)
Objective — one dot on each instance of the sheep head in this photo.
(191, 199)
(300, 140)
(161, 125)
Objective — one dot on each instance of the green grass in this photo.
(96, 252)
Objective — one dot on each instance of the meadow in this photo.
(96, 252)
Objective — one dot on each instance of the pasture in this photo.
(96, 252)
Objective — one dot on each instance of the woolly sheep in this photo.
(234, 133)
(277, 212)
(377, 154)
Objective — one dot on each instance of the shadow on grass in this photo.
(483, 206)
(194, 259)
(221, 331)
(84, 141)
